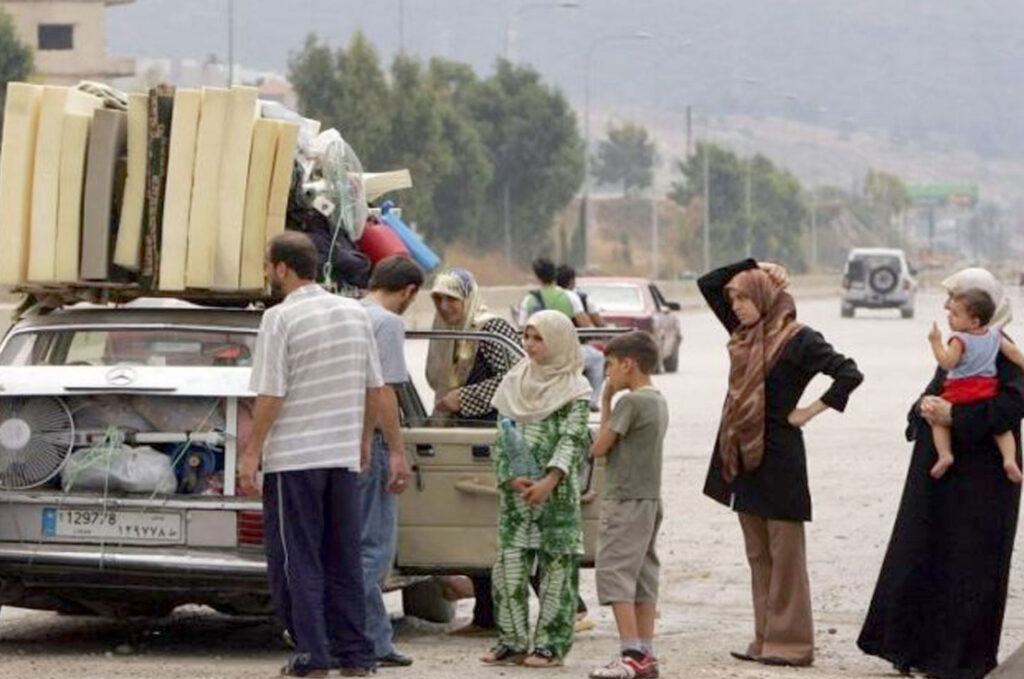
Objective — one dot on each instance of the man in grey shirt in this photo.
(319, 391)
(393, 287)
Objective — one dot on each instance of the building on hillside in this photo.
(69, 38)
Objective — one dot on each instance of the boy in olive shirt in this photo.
(631, 437)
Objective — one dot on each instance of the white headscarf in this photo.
(981, 279)
(532, 390)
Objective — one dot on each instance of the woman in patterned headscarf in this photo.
(759, 466)
(464, 374)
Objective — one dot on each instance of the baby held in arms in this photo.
(970, 361)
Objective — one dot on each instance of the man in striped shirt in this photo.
(318, 380)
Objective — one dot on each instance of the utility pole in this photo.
(814, 233)
(747, 232)
(707, 211)
(655, 236)
(506, 219)
(689, 130)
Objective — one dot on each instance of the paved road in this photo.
(857, 463)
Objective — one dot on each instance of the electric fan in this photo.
(344, 176)
(36, 436)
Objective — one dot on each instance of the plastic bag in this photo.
(119, 469)
(521, 461)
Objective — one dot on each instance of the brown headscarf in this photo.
(753, 351)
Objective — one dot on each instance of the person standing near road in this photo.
(939, 601)
(318, 381)
(540, 523)
(593, 357)
(551, 296)
(393, 286)
(759, 465)
(631, 439)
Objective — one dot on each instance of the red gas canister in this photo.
(380, 241)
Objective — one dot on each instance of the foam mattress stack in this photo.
(181, 191)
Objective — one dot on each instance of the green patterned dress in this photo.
(549, 536)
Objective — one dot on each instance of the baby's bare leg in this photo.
(943, 439)
(1008, 449)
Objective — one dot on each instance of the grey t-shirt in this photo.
(633, 470)
(389, 332)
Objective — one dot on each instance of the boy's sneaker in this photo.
(628, 666)
(650, 667)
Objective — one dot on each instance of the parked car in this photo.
(637, 303)
(90, 380)
(878, 278)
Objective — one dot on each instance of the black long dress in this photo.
(938, 605)
(778, 488)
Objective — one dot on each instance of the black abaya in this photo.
(939, 602)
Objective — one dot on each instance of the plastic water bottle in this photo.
(521, 461)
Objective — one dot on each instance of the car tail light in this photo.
(250, 528)
(846, 282)
(906, 284)
(646, 323)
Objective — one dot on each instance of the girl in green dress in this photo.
(539, 520)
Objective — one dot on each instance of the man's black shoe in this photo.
(394, 659)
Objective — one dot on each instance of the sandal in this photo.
(543, 658)
(503, 654)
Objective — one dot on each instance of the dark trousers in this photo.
(483, 606)
(311, 530)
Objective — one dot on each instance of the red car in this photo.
(637, 303)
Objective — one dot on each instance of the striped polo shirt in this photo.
(316, 351)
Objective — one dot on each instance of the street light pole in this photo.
(231, 42)
(707, 210)
(401, 26)
(594, 44)
(512, 24)
(511, 28)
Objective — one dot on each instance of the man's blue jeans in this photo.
(378, 543)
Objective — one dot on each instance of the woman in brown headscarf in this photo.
(759, 466)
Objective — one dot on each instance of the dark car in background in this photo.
(637, 303)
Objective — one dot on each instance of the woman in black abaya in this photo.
(939, 602)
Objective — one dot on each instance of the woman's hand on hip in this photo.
(801, 416)
(937, 410)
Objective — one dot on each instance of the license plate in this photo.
(114, 525)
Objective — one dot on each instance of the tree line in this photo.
(473, 144)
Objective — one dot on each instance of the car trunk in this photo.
(124, 455)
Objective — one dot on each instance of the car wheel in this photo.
(425, 601)
(846, 311)
(883, 280)
(671, 362)
(907, 312)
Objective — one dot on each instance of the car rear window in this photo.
(614, 297)
(862, 265)
(140, 346)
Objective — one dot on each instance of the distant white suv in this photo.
(878, 278)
